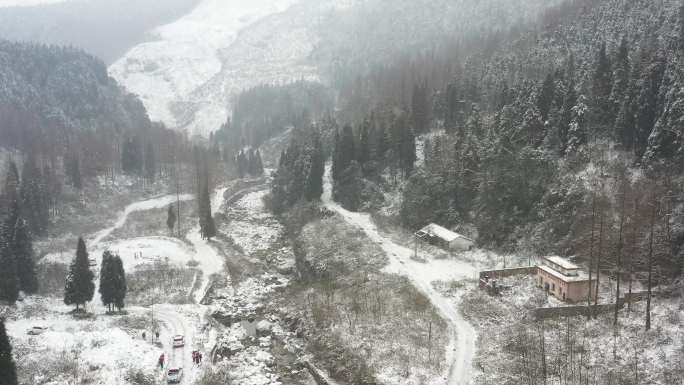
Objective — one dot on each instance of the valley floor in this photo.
(423, 275)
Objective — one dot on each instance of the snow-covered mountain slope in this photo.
(187, 76)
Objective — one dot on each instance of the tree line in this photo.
(383, 141)
(299, 177)
(17, 265)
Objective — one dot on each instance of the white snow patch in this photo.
(187, 75)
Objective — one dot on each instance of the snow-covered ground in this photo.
(210, 260)
(186, 76)
(422, 274)
(127, 354)
(99, 350)
(145, 205)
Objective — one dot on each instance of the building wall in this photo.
(578, 291)
(565, 291)
(460, 244)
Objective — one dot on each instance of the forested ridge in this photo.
(530, 139)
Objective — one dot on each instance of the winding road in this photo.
(461, 347)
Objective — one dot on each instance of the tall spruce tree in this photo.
(112, 281)
(131, 156)
(120, 288)
(33, 198)
(22, 248)
(207, 225)
(546, 96)
(73, 170)
(345, 151)
(150, 162)
(603, 111)
(9, 282)
(335, 167)
(419, 108)
(647, 102)
(681, 30)
(8, 370)
(577, 129)
(259, 164)
(314, 181)
(171, 218)
(107, 280)
(9, 204)
(621, 71)
(79, 287)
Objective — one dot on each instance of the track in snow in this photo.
(150, 204)
(462, 342)
(210, 260)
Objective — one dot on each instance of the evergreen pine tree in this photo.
(666, 141)
(621, 73)
(107, 280)
(22, 248)
(566, 115)
(406, 145)
(207, 226)
(33, 199)
(577, 131)
(314, 182)
(131, 156)
(9, 282)
(259, 164)
(335, 167)
(363, 150)
(546, 96)
(120, 279)
(419, 108)
(150, 163)
(8, 371)
(603, 111)
(73, 170)
(344, 152)
(681, 30)
(382, 143)
(647, 102)
(79, 287)
(171, 218)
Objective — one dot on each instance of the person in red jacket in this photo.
(161, 361)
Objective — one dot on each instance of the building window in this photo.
(553, 287)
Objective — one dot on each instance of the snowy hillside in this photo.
(186, 77)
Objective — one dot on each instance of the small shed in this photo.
(440, 236)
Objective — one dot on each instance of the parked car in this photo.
(178, 341)
(174, 376)
(36, 330)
